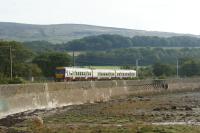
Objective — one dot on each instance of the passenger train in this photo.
(76, 74)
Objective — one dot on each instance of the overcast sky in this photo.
(182, 16)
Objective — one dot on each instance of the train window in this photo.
(60, 71)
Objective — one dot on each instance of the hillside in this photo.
(60, 33)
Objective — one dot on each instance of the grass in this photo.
(111, 128)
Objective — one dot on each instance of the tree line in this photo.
(128, 56)
(26, 63)
(154, 61)
(110, 42)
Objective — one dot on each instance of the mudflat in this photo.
(160, 113)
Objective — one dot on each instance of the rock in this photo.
(3, 129)
(173, 107)
(37, 122)
(160, 108)
(188, 108)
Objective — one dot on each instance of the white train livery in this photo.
(74, 74)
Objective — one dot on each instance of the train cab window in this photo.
(60, 71)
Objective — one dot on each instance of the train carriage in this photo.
(73, 73)
(101, 74)
(125, 74)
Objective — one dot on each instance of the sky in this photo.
(180, 16)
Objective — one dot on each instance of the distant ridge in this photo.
(61, 33)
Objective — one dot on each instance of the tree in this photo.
(20, 56)
(190, 68)
(160, 69)
(49, 61)
(27, 70)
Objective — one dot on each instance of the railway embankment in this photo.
(23, 97)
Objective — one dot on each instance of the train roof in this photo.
(124, 70)
(73, 68)
(104, 70)
(97, 70)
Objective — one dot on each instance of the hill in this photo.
(59, 33)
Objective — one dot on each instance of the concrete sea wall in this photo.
(19, 98)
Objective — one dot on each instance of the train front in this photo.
(60, 74)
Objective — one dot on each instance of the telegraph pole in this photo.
(136, 63)
(177, 68)
(11, 60)
(73, 60)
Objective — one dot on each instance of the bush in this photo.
(4, 81)
(16, 80)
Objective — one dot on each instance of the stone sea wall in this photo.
(23, 97)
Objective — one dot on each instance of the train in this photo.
(79, 74)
